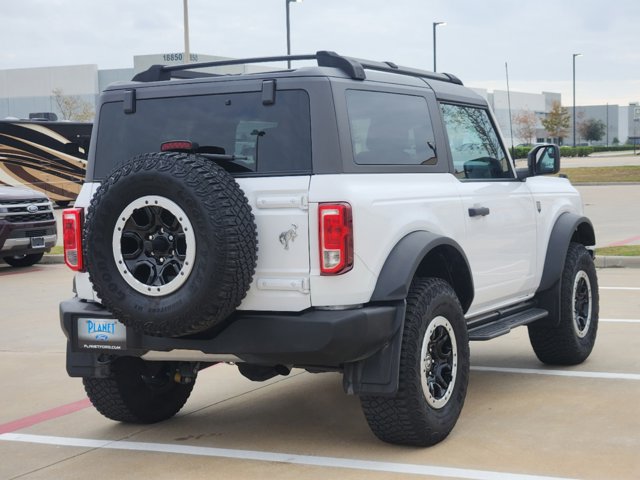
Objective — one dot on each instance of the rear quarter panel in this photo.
(385, 208)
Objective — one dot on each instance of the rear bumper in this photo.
(313, 338)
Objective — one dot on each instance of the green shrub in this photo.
(520, 152)
(566, 151)
(576, 151)
(612, 148)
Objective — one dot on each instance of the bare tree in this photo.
(526, 122)
(72, 107)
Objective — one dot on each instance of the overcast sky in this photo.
(537, 38)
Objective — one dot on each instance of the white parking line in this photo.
(618, 288)
(561, 373)
(619, 320)
(331, 462)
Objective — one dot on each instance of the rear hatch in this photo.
(272, 145)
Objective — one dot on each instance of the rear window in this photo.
(273, 139)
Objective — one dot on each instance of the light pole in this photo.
(574, 96)
(187, 53)
(435, 25)
(289, 30)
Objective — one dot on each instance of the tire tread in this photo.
(404, 418)
(558, 344)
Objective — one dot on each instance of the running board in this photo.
(504, 325)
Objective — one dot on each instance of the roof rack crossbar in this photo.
(237, 61)
(354, 67)
(157, 73)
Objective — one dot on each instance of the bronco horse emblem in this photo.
(289, 236)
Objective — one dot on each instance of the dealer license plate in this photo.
(37, 242)
(101, 334)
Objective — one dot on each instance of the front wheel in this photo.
(569, 339)
(23, 260)
(138, 391)
(434, 370)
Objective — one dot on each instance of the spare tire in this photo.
(170, 244)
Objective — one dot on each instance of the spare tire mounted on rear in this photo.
(172, 244)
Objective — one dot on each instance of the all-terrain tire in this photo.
(434, 370)
(170, 244)
(24, 260)
(568, 340)
(138, 391)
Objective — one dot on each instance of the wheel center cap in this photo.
(160, 244)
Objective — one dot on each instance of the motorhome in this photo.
(44, 154)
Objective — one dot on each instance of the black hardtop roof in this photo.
(353, 68)
(329, 64)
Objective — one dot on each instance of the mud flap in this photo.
(379, 373)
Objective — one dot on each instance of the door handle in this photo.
(478, 211)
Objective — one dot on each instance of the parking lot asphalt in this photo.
(521, 420)
(614, 211)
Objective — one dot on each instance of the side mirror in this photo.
(544, 160)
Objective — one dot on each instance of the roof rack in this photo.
(354, 67)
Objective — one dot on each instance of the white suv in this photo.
(356, 216)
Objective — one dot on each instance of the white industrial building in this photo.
(28, 90)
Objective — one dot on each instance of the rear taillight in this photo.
(72, 235)
(336, 238)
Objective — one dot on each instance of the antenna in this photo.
(513, 150)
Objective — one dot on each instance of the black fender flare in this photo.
(564, 230)
(568, 227)
(379, 373)
(404, 260)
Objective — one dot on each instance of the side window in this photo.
(390, 129)
(475, 147)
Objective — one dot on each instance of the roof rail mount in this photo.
(353, 67)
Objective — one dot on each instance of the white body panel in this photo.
(281, 280)
(500, 246)
(505, 249)
(385, 209)
(553, 197)
(84, 289)
(281, 211)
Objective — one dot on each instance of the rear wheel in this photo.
(23, 260)
(434, 370)
(569, 339)
(138, 391)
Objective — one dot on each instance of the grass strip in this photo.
(629, 173)
(622, 251)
